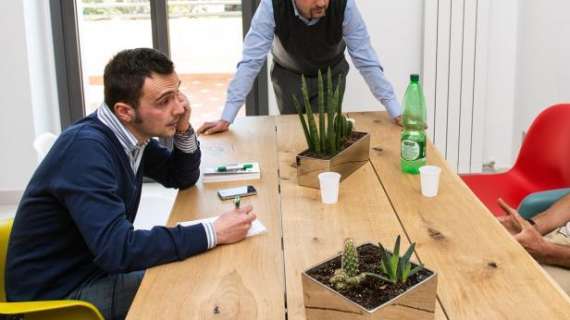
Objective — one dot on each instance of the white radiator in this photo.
(454, 78)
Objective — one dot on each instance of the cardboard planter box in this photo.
(322, 302)
(344, 162)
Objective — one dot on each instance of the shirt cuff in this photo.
(210, 234)
(393, 107)
(186, 141)
(230, 112)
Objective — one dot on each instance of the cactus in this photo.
(391, 268)
(348, 275)
(334, 129)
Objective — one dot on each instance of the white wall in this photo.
(28, 101)
(528, 70)
(17, 160)
(543, 64)
(395, 29)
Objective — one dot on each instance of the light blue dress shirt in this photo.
(258, 42)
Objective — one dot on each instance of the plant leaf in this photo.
(310, 118)
(405, 271)
(321, 106)
(397, 246)
(415, 270)
(406, 257)
(386, 260)
(303, 122)
(379, 277)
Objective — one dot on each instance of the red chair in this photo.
(543, 163)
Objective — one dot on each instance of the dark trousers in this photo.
(286, 83)
(112, 295)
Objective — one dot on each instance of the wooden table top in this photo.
(483, 272)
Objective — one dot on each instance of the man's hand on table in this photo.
(232, 226)
(398, 120)
(213, 127)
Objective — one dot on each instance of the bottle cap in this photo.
(414, 77)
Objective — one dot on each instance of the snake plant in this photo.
(333, 129)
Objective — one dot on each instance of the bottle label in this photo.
(410, 150)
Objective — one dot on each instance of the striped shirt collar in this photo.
(126, 138)
(132, 147)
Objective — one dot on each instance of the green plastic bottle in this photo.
(413, 139)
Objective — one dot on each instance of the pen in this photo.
(237, 201)
(230, 168)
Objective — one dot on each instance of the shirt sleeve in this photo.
(179, 168)
(365, 60)
(186, 141)
(256, 46)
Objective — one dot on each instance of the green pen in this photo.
(237, 201)
(231, 168)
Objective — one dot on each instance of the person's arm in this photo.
(90, 191)
(555, 216)
(556, 254)
(179, 168)
(364, 58)
(256, 46)
(531, 236)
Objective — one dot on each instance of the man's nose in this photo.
(179, 105)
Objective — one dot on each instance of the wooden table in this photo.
(483, 272)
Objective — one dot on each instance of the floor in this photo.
(156, 202)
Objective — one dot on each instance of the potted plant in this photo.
(369, 282)
(332, 144)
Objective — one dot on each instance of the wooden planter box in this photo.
(345, 162)
(324, 303)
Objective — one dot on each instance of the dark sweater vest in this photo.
(305, 49)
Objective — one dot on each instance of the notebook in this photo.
(232, 172)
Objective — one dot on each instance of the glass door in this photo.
(206, 44)
(105, 28)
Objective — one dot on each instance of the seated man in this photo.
(73, 236)
(545, 236)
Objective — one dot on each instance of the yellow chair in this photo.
(46, 310)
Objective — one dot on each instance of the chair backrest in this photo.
(43, 143)
(544, 157)
(5, 228)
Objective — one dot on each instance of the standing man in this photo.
(73, 235)
(305, 36)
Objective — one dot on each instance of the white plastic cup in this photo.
(429, 178)
(329, 182)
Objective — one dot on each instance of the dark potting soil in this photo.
(353, 138)
(371, 292)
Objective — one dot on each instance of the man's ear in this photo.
(124, 112)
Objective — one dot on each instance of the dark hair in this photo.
(125, 74)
